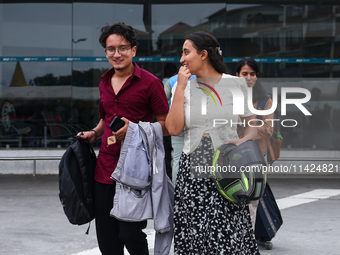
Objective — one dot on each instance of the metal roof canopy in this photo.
(274, 2)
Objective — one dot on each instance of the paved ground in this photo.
(32, 221)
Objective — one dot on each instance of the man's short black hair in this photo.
(119, 28)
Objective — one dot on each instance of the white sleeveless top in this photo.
(197, 124)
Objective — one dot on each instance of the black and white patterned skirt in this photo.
(206, 223)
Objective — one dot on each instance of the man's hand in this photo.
(89, 135)
(120, 134)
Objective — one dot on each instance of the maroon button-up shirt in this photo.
(141, 97)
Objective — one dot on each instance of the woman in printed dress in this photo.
(205, 222)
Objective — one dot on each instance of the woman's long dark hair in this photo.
(258, 91)
(204, 41)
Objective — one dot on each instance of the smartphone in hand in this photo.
(116, 124)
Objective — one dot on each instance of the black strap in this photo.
(261, 104)
(95, 132)
(88, 229)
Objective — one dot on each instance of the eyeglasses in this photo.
(110, 51)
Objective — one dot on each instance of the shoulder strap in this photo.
(260, 105)
(270, 148)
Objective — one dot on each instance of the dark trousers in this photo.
(113, 234)
(168, 149)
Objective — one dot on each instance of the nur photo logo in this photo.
(204, 99)
(238, 98)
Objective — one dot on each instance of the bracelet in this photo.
(95, 132)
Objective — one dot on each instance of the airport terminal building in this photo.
(51, 61)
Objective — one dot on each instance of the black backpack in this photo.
(76, 181)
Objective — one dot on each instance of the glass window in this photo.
(318, 130)
(293, 11)
(294, 37)
(320, 25)
(51, 60)
(30, 86)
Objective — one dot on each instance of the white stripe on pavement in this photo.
(283, 203)
(307, 197)
(150, 236)
(94, 251)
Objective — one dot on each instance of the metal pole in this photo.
(34, 167)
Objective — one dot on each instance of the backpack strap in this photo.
(270, 148)
(261, 104)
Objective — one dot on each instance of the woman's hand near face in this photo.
(174, 121)
(183, 77)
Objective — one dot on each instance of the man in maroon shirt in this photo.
(133, 94)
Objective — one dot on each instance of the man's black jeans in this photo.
(113, 234)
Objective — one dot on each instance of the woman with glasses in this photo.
(133, 94)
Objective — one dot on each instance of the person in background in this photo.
(177, 142)
(170, 69)
(248, 69)
(17, 125)
(133, 94)
(205, 222)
